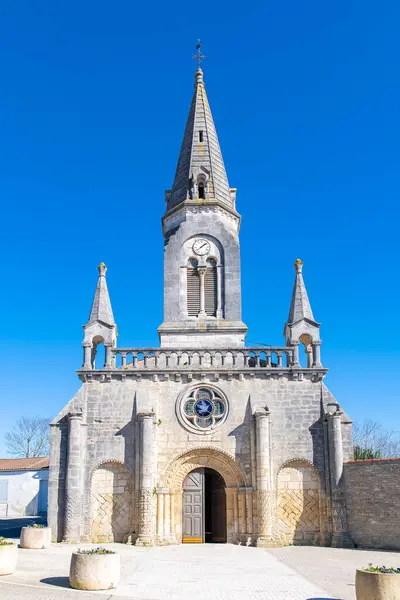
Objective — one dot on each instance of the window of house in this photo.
(200, 136)
(201, 190)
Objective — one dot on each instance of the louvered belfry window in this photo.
(193, 289)
(195, 282)
(210, 289)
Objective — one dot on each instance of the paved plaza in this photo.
(199, 572)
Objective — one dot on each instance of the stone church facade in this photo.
(202, 438)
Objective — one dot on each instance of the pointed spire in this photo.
(200, 159)
(300, 307)
(101, 307)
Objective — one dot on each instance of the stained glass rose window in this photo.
(202, 409)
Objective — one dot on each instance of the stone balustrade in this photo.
(190, 359)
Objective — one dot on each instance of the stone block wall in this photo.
(373, 502)
(298, 501)
(111, 503)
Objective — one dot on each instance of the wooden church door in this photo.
(193, 508)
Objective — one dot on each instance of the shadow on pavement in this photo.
(11, 528)
(58, 581)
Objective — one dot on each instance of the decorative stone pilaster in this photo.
(72, 517)
(146, 477)
(264, 487)
(340, 535)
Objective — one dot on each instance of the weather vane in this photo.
(199, 56)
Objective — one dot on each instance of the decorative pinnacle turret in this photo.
(300, 307)
(101, 308)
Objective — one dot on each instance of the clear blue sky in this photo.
(94, 98)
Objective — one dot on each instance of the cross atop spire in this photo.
(199, 56)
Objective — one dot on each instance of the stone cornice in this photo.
(201, 374)
(198, 206)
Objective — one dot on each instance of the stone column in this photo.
(87, 355)
(73, 501)
(235, 510)
(219, 292)
(316, 351)
(249, 510)
(202, 273)
(146, 475)
(160, 517)
(167, 517)
(173, 536)
(296, 360)
(108, 358)
(242, 510)
(264, 491)
(340, 535)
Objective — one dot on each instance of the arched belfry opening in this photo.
(204, 507)
(98, 358)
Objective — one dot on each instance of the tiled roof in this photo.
(24, 464)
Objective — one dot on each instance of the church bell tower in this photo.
(202, 293)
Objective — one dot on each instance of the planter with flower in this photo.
(94, 569)
(35, 537)
(8, 556)
(378, 583)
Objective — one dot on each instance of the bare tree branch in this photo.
(370, 438)
(29, 437)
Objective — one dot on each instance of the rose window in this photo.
(203, 409)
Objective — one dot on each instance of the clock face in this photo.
(201, 247)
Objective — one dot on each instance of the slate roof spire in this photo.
(200, 160)
(101, 308)
(300, 307)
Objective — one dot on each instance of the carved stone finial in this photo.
(298, 265)
(102, 269)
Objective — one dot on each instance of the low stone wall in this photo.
(373, 502)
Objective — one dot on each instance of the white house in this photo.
(23, 486)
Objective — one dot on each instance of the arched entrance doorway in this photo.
(238, 497)
(203, 507)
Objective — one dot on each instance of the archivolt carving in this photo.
(213, 458)
(105, 463)
(293, 462)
